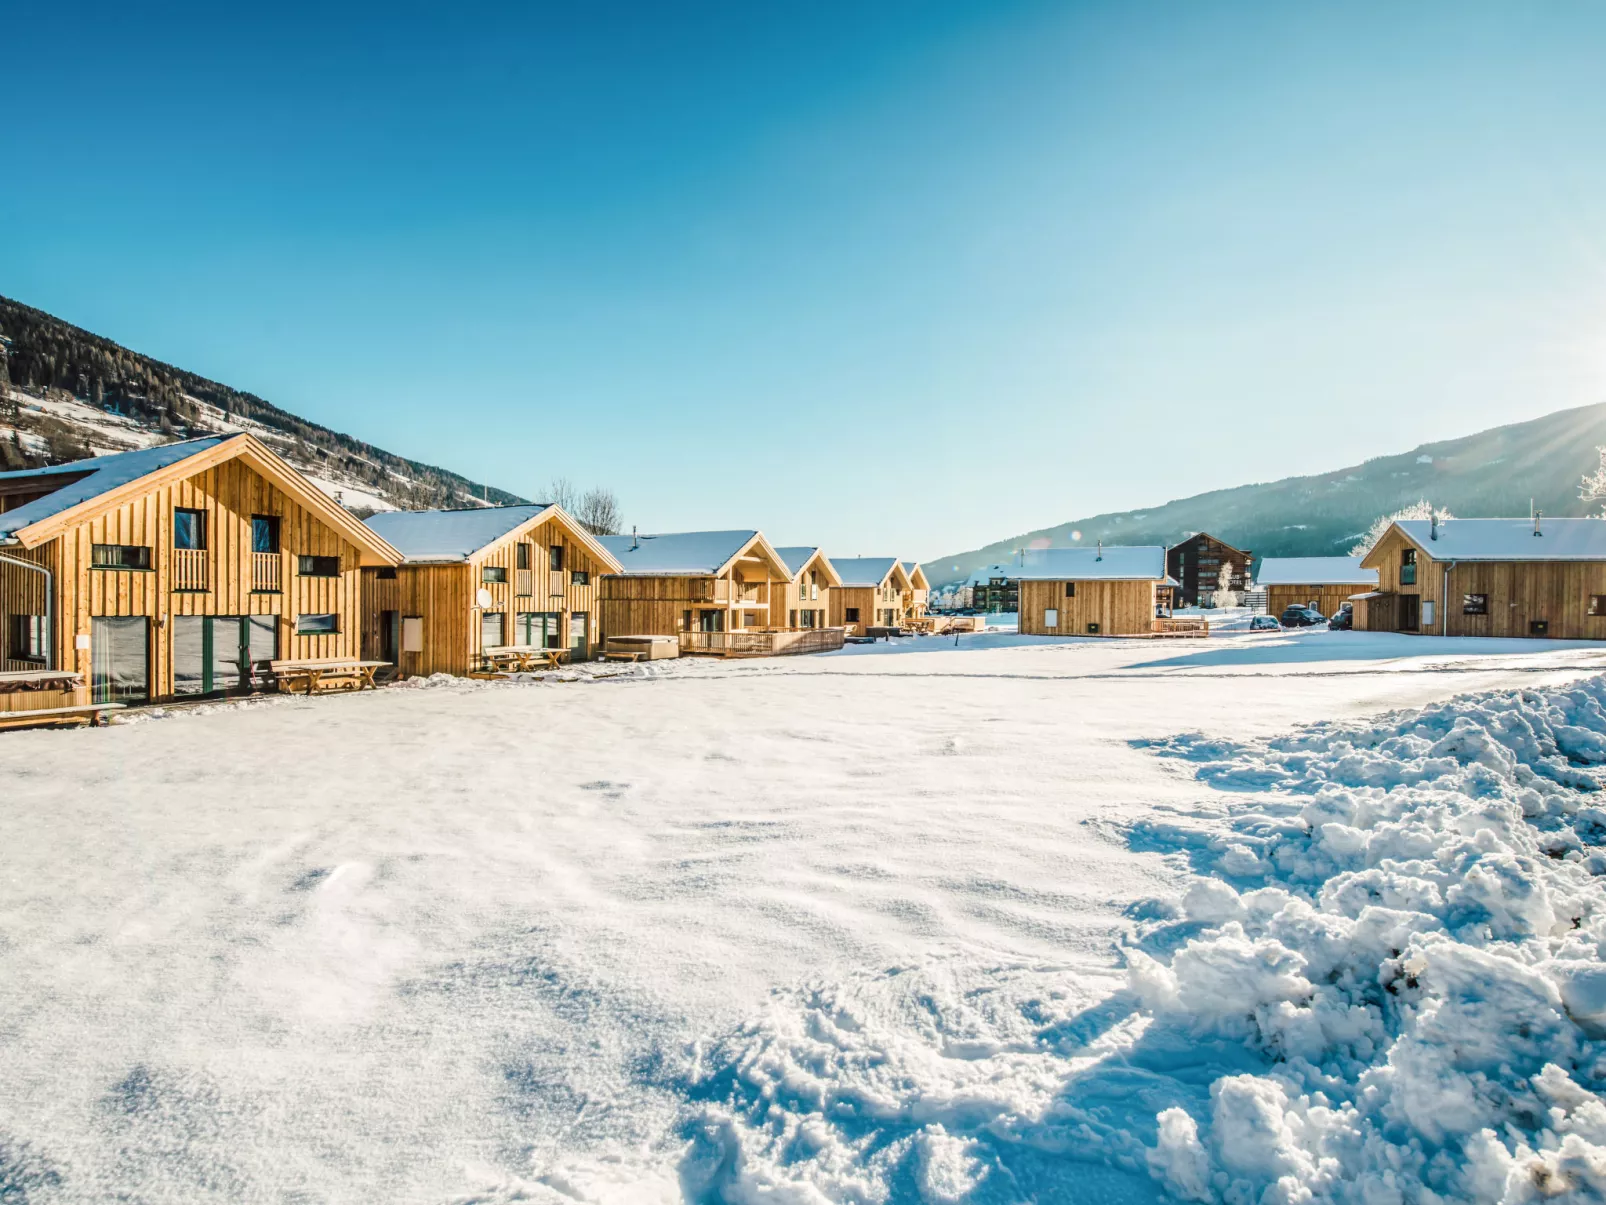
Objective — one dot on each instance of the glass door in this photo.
(120, 659)
(579, 636)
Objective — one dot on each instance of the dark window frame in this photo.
(521, 555)
(1597, 604)
(1407, 566)
(493, 575)
(850, 614)
(100, 554)
(580, 577)
(270, 524)
(555, 557)
(1477, 604)
(1070, 589)
(199, 517)
(27, 633)
(308, 565)
(332, 630)
(386, 573)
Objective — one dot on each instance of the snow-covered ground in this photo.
(991, 919)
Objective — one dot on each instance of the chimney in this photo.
(1100, 556)
(1433, 531)
(1538, 515)
(634, 543)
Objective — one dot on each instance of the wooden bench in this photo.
(522, 658)
(323, 674)
(93, 714)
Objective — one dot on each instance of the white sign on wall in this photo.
(412, 634)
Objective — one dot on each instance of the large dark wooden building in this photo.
(1196, 565)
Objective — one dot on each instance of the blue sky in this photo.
(895, 278)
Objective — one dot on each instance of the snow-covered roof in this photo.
(1510, 539)
(450, 535)
(797, 557)
(1314, 571)
(677, 554)
(1118, 563)
(99, 475)
(861, 571)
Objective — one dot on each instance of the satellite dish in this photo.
(484, 598)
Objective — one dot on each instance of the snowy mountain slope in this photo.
(66, 394)
(1491, 474)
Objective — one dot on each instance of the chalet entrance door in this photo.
(215, 654)
(1410, 612)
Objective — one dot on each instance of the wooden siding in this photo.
(789, 598)
(1119, 608)
(656, 606)
(446, 599)
(1519, 592)
(229, 493)
(872, 603)
(1327, 598)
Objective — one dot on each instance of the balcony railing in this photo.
(751, 642)
(557, 582)
(267, 572)
(189, 569)
(524, 582)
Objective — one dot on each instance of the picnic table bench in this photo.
(319, 674)
(522, 658)
(92, 714)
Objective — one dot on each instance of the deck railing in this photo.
(1180, 627)
(189, 569)
(758, 642)
(557, 582)
(267, 572)
(524, 582)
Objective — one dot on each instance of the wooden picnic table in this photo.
(15, 681)
(523, 658)
(326, 673)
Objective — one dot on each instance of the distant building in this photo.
(1323, 582)
(1196, 565)
(995, 589)
(1092, 591)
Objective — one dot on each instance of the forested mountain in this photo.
(1491, 474)
(66, 394)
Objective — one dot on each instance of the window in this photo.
(1408, 567)
(1051, 618)
(791, 619)
(1597, 604)
(318, 566)
(1070, 589)
(540, 629)
(491, 630)
(1427, 612)
(555, 557)
(27, 641)
(850, 614)
(264, 533)
(522, 556)
(1478, 604)
(580, 577)
(317, 625)
(385, 573)
(120, 556)
(491, 574)
(189, 529)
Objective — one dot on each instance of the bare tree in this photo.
(599, 512)
(1593, 487)
(1417, 510)
(563, 492)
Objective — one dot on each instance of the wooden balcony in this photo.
(189, 570)
(557, 582)
(267, 573)
(524, 582)
(760, 642)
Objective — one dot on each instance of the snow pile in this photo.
(1411, 938)
(1384, 984)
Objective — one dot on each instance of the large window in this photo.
(318, 566)
(1408, 567)
(542, 629)
(491, 636)
(119, 659)
(26, 639)
(120, 556)
(494, 574)
(1478, 604)
(317, 625)
(264, 533)
(555, 557)
(189, 529)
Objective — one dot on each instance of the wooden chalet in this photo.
(872, 594)
(1323, 582)
(1488, 577)
(715, 591)
(487, 578)
(805, 601)
(917, 598)
(1196, 565)
(1097, 592)
(177, 570)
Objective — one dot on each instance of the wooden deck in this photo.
(760, 642)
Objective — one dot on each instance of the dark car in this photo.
(1265, 623)
(1343, 620)
(1297, 616)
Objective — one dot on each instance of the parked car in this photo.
(1343, 620)
(1265, 623)
(1297, 616)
